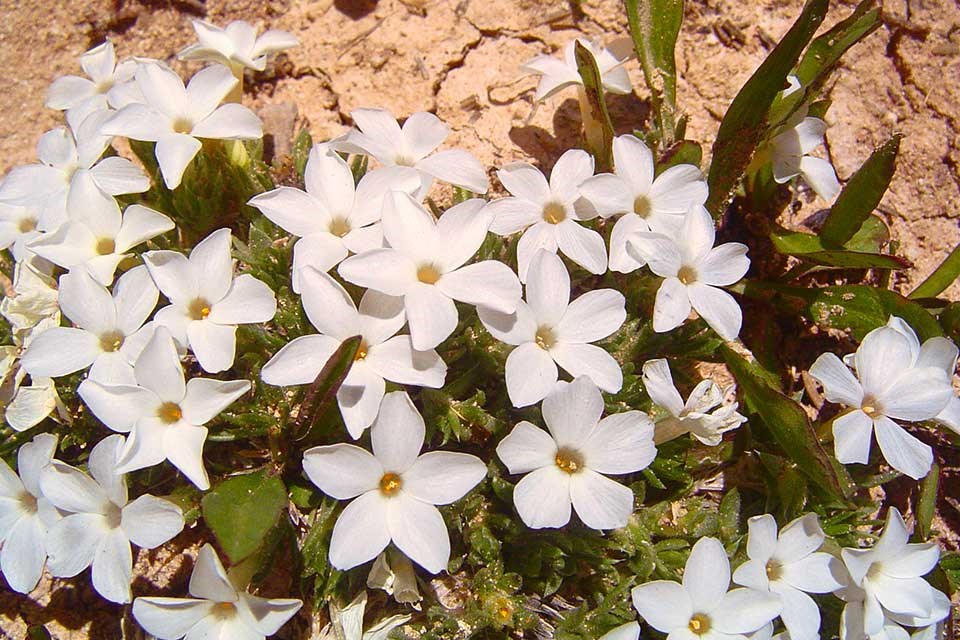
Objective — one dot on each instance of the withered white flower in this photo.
(790, 151)
(557, 74)
(237, 45)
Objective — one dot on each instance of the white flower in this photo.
(26, 406)
(629, 631)
(96, 236)
(693, 270)
(207, 301)
(648, 203)
(891, 381)
(701, 608)
(102, 521)
(694, 416)
(19, 225)
(163, 413)
(333, 217)
(109, 332)
(25, 515)
(556, 74)
(852, 620)
(567, 465)
(219, 608)
(236, 45)
(549, 330)
(176, 117)
(790, 150)
(549, 214)
(382, 355)
(395, 489)
(379, 135)
(67, 157)
(35, 297)
(888, 579)
(393, 573)
(347, 623)
(91, 93)
(425, 265)
(789, 565)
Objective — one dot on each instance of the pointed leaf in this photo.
(654, 27)
(942, 277)
(242, 510)
(601, 142)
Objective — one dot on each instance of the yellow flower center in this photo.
(545, 337)
(28, 502)
(182, 125)
(114, 516)
(390, 484)
(554, 212)
(641, 206)
(224, 610)
(774, 570)
(340, 227)
(106, 246)
(871, 407)
(361, 351)
(170, 412)
(111, 341)
(404, 161)
(428, 274)
(687, 275)
(699, 623)
(569, 460)
(199, 309)
(27, 225)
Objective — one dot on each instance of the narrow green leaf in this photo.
(745, 122)
(682, 152)
(322, 390)
(789, 425)
(301, 150)
(596, 119)
(241, 511)
(941, 278)
(861, 195)
(729, 512)
(927, 503)
(654, 27)
(810, 248)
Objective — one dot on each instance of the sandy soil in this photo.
(459, 59)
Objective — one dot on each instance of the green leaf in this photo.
(861, 195)
(729, 515)
(683, 152)
(328, 381)
(301, 150)
(745, 122)
(596, 119)
(810, 248)
(942, 277)
(654, 27)
(927, 502)
(241, 511)
(790, 427)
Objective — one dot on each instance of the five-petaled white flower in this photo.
(97, 236)
(207, 301)
(889, 576)
(567, 465)
(219, 608)
(549, 213)
(556, 74)
(694, 416)
(382, 355)
(163, 413)
(102, 521)
(550, 330)
(648, 203)
(394, 490)
(236, 45)
(892, 380)
(379, 135)
(176, 117)
(790, 565)
(109, 333)
(333, 217)
(702, 608)
(93, 92)
(693, 271)
(19, 225)
(790, 151)
(425, 264)
(25, 514)
(853, 621)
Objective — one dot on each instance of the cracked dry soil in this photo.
(459, 59)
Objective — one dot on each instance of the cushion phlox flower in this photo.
(102, 521)
(219, 608)
(109, 332)
(568, 464)
(347, 623)
(699, 416)
(790, 565)
(425, 264)
(693, 271)
(25, 514)
(379, 135)
(94, 91)
(629, 631)
(887, 580)
(163, 412)
(891, 382)
(34, 300)
(26, 405)
(382, 355)
(19, 225)
(333, 217)
(557, 74)
(394, 490)
(206, 301)
(790, 152)
(549, 330)
(853, 621)
(701, 607)
(96, 235)
(236, 45)
(648, 203)
(177, 117)
(549, 213)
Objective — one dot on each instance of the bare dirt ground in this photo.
(459, 59)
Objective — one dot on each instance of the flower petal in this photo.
(817, 573)
(489, 283)
(744, 610)
(209, 579)
(724, 264)
(839, 383)
(569, 172)
(511, 215)
(173, 275)
(548, 288)
(526, 448)
(542, 498)
(183, 447)
(461, 230)
(901, 450)
(590, 361)
(918, 394)
(851, 437)
(583, 246)
(23, 554)
(206, 398)
(706, 576)
(59, 351)
(600, 502)
(762, 539)
(665, 605)
(718, 308)
(158, 368)
(342, 471)
(359, 398)
(72, 544)
(292, 210)
(386, 270)
(299, 361)
(397, 435)
(397, 361)
(149, 521)
(541, 235)
(530, 375)
(634, 162)
(69, 489)
(249, 300)
(215, 345)
(139, 225)
(621, 443)
(593, 316)
(135, 296)
(170, 618)
(457, 167)
(268, 615)
(571, 412)
(174, 152)
(511, 328)
(230, 121)
(418, 530)
(431, 314)
(609, 195)
(443, 477)
(361, 532)
(524, 181)
(659, 385)
(880, 359)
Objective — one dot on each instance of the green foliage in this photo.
(242, 510)
(941, 278)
